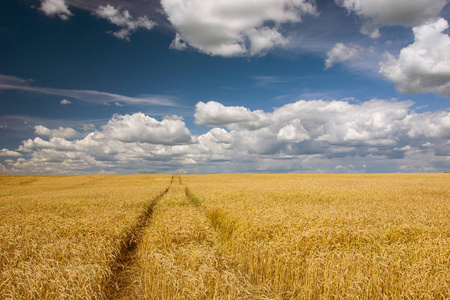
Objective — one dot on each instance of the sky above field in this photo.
(224, 86)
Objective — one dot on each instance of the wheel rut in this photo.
(177, 251)
(123, 266)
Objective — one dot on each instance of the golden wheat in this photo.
(383, 236)
(59, 235)
(180, 256)
(334, 236)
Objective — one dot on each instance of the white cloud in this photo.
(144, 129)
(214, 113)
(388, 12)
(428, 125)
(423, 66)
(232, 27)
(124, 20)
(89, 127)
(65, 102)
(9, 153)
(131, 143)
(220, 135)
(370, 29)
(178, 43)
(305, 136)
(328, 128)
(341, 53)
(60, 132)
(264, 38)
(293, 132)
(55, 143)
(55, 7)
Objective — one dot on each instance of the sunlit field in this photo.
(60, 235)
(382, 236)
(331, 236)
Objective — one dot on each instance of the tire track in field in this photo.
(223, 227)
(122, 267)
(181, 255)
(217, 217)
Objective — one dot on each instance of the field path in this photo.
(180, 255)
(123, 268)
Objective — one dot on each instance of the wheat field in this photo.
(60, 235)
(287, 236)
(334, 236)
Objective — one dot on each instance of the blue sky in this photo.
(224, 86)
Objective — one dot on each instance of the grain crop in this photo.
(286, 236)
(383, 236)
(180, 255)
(60, 235)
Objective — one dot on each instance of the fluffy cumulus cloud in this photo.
(9, 153)
(232, 27)
(144, 129)
(330, 130)
(386, 12)
(428, 125)
(264, 38)
(125, 144)
(293, 132)
(55, 8)
(423, 66)
(321, 123)
(60, 132)
(340, 53)
(214, 113)
(124, 20)
(305, 136)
